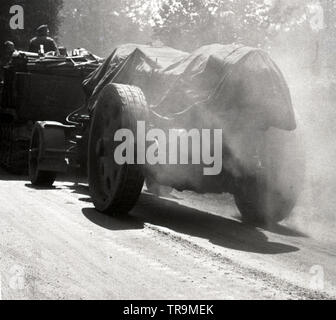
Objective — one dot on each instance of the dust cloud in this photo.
(313, 92)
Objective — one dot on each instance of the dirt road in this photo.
(54, 245)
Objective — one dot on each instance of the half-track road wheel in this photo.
(47, 140)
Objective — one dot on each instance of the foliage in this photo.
(99, 25)
(188, 24)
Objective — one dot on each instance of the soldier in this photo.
(42, 42)
(9, 49)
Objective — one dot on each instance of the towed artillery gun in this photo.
(37, 88)
(235, 89)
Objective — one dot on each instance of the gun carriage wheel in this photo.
(269, 196)
(114, 188)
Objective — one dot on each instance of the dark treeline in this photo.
(36, 12)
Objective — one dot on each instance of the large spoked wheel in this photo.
(114, 188)
(38, 177)
(269, 196)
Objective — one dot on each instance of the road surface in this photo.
(54, 245)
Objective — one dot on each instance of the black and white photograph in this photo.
(181, 151)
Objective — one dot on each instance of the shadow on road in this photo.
(30, 186)
(168, 213)
(218, 230)
(127, 222)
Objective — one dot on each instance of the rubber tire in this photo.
(114, 188)
(37, 177)
(270, 196)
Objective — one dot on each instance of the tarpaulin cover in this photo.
(220, 79)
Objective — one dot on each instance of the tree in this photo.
(99, 25)
(187, 24)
